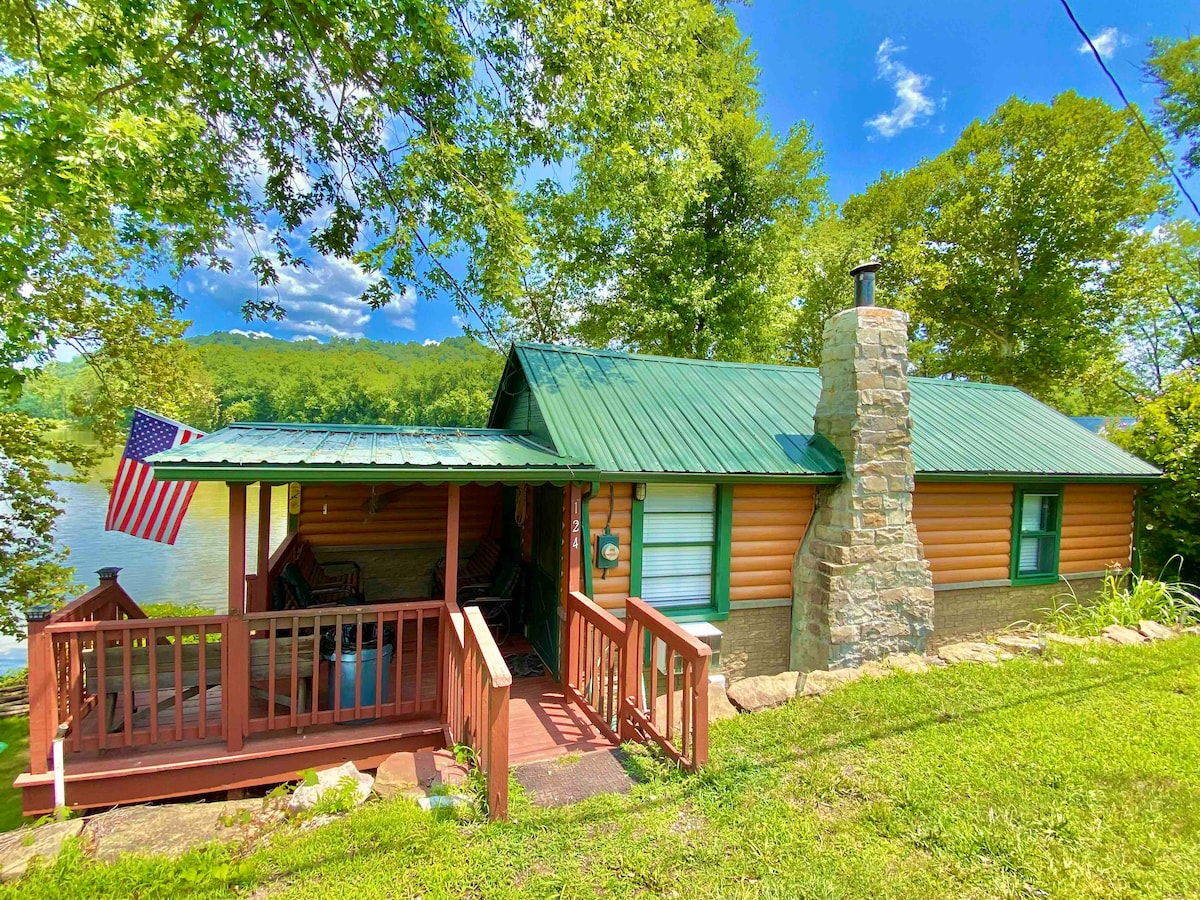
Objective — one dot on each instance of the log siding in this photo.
(1097, 527)
(965, 530)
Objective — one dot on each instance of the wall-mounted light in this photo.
(639, 491)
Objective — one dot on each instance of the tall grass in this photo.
(1126, 598)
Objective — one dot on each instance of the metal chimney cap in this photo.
(862, 268)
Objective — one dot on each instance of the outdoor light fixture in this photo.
(639, 491)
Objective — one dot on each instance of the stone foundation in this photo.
(862, 588)
(967, 611)
(755, 641)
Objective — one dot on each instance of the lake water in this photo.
(193, 570)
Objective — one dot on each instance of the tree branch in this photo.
(162, 60)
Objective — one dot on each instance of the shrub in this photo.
(1126, 598)
(1167, 434)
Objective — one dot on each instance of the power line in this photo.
(1158, 150)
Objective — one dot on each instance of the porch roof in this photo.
(272, 451)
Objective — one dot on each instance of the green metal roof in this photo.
(273, 451)
(651, 414)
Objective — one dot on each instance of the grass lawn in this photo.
(1031, 779)
(14, 731)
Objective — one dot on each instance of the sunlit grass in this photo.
(1072, 776)
(14, 731)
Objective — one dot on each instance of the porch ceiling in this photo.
(256, 451)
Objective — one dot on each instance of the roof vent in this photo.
(864, 283)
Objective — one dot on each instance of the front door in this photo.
(543, 628)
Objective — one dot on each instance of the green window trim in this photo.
(718, 608)
(1050, 574)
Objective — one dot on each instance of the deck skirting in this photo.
(181, 771)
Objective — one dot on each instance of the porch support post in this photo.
(572, 577)
(43, 696)
(261, 601)
(453, 492)
(572, 537)
(237, 548)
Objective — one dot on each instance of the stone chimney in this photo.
(861, 586)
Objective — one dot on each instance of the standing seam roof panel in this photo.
(632, 413)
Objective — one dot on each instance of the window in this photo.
(1037, 521)
(679, 537)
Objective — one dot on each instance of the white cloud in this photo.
(913, 105)
(430, 342)
(1106, 42)
(305, 337)
(251, 334)
(400, 309)
(321, 300)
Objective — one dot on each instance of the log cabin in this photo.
(627, 528)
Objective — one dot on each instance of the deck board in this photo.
(543, 723)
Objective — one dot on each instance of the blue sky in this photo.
(883, 85)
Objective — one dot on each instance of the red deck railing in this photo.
(623, 676)
(119, 680)
(595, 649)
(478, 682)
(682, 733)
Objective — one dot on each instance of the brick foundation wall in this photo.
(755, 641)
(958, 612)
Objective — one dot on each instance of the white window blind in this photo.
(1038, 539)
(678, 538)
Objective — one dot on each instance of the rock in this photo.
(819, 681)
(763, 691)
(452, 776)
(1192, 629)
(1021, 643)
(1156, 631)
(19, 848)
(1055, 638)
(1119, 634)
(416, 774)
(398, 776)
(972, 651)
(439, 801)
(719, 707)
(309, 795)
(170, 828)
(907, 662)
(874, 669)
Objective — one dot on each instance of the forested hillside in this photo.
(270, 380)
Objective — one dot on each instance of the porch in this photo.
(156, 708)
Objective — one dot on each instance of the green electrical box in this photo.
(608, 551)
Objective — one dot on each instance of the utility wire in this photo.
(1158, 150)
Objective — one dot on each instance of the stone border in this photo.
(767, 691)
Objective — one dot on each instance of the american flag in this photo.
(139, 505)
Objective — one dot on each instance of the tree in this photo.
(1167, 434)
(815, 266)
(1007, 249)
(619, 263)
(1174, 65)
(138, 137)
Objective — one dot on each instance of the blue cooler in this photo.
(361, 664)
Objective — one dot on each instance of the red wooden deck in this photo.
(543, 723)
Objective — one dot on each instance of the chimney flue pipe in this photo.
(864, 283)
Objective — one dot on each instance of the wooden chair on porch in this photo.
(192, 681)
